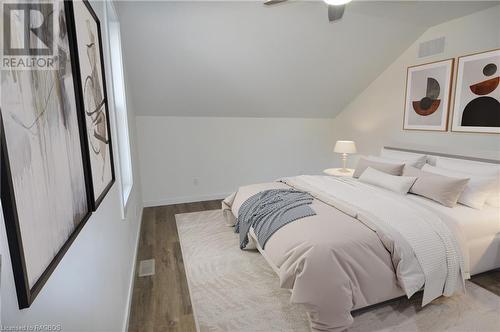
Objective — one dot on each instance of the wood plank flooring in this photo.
(161, 302)
(489, 280)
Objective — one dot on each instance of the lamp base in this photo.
(344, 163)
(344, 170)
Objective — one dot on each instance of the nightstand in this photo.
(337, 172)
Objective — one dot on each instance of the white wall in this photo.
(90, 288)
(194, 158)
(375, 117)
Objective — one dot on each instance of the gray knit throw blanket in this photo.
(270, 210)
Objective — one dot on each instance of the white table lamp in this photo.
(345, 147)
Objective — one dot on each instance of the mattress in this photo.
(480, 228)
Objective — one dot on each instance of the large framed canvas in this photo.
(44, 191)
(428, 90)
(92, 84)
(477, 94)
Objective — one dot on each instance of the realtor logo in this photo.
(28, 36)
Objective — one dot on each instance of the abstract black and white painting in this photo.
(427, 100)
(95, 103)
(477, 95)
(43, 186)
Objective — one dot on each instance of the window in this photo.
(120, 106)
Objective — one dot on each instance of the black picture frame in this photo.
(26, 294)
(96, 201)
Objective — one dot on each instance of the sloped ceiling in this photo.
(244, 59)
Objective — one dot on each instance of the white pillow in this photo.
(390, 168)
(443, 189)
(468, 166)
(411, 159)
(475, 168)
(398, 184)
(476, 191)
(416, 162)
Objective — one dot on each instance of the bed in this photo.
(363, 246)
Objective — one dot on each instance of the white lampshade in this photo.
(336, 2)
(345, 147)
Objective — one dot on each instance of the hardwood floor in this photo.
(489, 280)
(161, 302)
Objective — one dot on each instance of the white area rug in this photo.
(237, 291)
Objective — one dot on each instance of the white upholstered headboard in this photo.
(431, 160)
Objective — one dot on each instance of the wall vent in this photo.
(431, 47)
(147, 268)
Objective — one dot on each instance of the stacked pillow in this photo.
(408, 158)
(393, 168)
(383, 173)
(450, 182)
(398, 184)
(390, 161)
(476, 170)
(477, 189)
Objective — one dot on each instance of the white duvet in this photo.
(425, 250)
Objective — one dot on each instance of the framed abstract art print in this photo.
(92, 84)
(477, 94)
(44, 188)
(428, 89)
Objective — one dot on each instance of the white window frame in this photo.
(119, 106)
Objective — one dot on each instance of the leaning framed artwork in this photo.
(92, 84)
(477, 94)
(427, 99)
(44, 188)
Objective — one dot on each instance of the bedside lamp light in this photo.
(344, 147)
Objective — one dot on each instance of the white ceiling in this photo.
(244, 59)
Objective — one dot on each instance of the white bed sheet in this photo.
(480, 228)
(474, 223)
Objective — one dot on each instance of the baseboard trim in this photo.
(185, 199)
(132, 274)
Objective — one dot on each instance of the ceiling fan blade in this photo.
(335, 13)
(273, 2)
